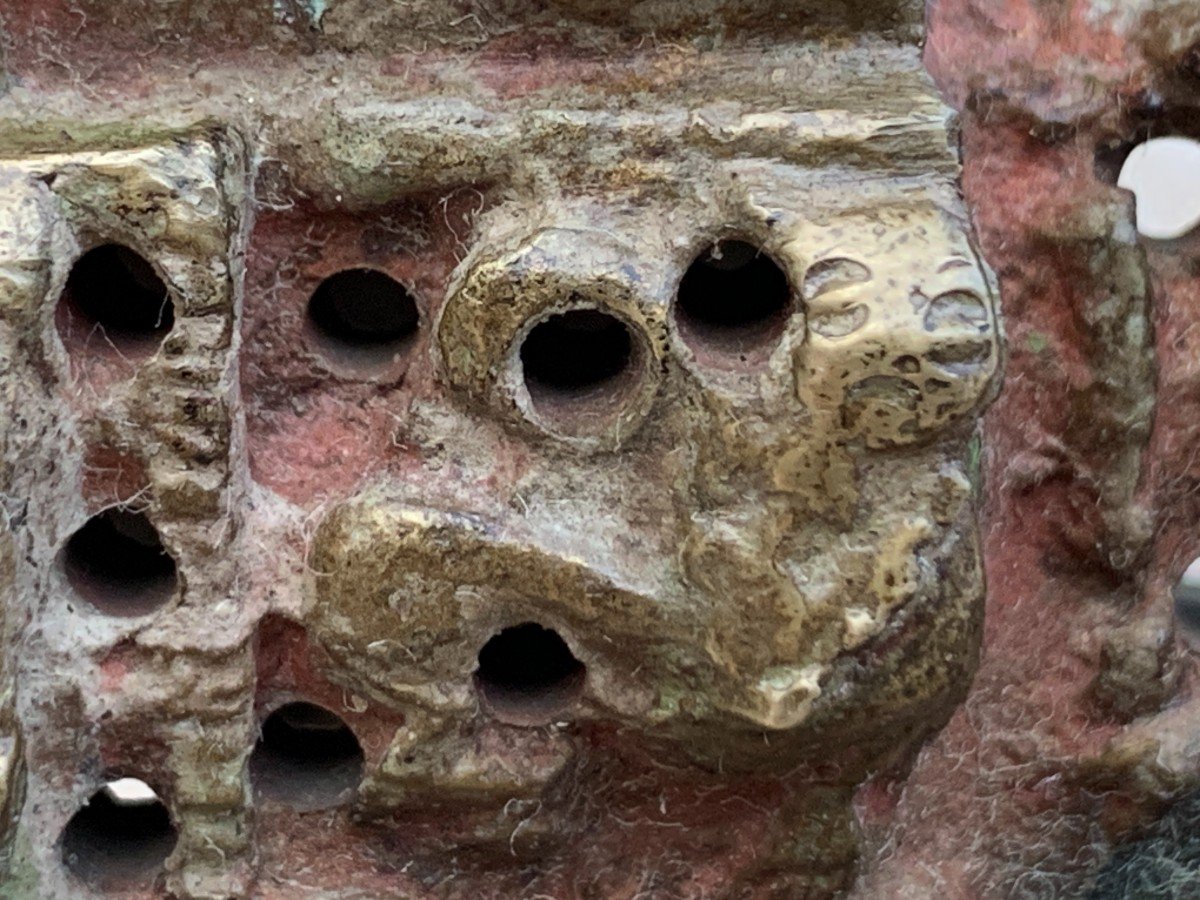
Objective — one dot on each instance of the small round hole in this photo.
(733, 302)
(1164, 175)
(576, 352)
(118, 564)
(120, 837)
(580, 368)
(1187, 604)
(306, 758)
(528, 675)
(114, 289)
(363, 315)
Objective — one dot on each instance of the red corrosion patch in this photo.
(291, 668)
(876, 799)
(1173, 489)
(114, 668)
(113, 45)
(112, 675)
(622, 820)
(112, 475)
(1066, 48)
(128, 753)
(526, 63)
(315, 425)
(518, 65)
(96, 363)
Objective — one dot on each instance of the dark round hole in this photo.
(363, 310)
(117, 562)
(733, 299)
(576, 353)
(306, 758)
(113, 287)
(116, 842)
(528, 675)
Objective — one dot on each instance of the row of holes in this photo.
(731, 298)
(307, 758)
(732, 302)
(117, 563)
(731, 295)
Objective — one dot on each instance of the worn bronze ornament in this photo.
(629, 493)
(610, 525)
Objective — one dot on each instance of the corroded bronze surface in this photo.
(712, 531)
(641, 559)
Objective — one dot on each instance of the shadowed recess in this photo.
(117, 563)
(576, 351)
(119, 839)
(116, 289)
(363, 308)
(733, 299)
(528, 675)
(306, 758)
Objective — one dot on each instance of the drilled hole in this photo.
(117, 563)
(363, 315)
(1164, 175)
(120, 837)
(734, 300)
(113, 290)
(1187, 603)
(576, 352)
(528, 675)
(306, 758)
(580, 369)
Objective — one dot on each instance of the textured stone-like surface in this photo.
(1081, 724)
(762, 548)
(92, 427)
(769, 565)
